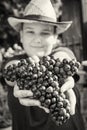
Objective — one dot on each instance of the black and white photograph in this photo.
(43, 64)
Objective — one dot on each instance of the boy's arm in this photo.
(64, 52)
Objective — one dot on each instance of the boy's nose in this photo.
(37, 39)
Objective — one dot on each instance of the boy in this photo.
(38, 30)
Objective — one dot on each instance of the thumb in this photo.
(72, 99)
(69, 84)
(45, 109)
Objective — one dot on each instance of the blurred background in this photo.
(75, 38)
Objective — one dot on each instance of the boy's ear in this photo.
(56, 38)
(21, 36)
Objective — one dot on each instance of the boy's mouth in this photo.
(37, 47)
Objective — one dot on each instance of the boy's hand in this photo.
(72, 98)
(69, 84)
(25, 98)
(67, 87)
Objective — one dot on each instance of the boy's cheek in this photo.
(48, 49)
(51, 40)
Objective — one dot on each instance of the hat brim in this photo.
(16, 23)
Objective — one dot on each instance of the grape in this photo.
(42, 99)
(48, 102)
(45, 79)
(49, 89)
(37, 94)
(42, 88)
(56, 69)
(65, 61)
(53, 100)
(42, 68)
(55, 93)
(48, 95)
(67, 67)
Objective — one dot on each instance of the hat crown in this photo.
(41, 8)
(40, 11)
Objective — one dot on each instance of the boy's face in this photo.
(38, 39)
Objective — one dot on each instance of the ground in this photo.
(9, 128)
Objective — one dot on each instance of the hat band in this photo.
(38, 18)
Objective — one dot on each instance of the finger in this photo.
(72, 99)
(22, 93)
(69, 83)
(45, 109)
(32, 102)
(29, 102)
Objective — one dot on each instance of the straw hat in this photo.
(39, 11)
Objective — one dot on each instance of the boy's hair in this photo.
(55, 28)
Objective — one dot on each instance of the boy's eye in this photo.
(45, 33)
(31, 32)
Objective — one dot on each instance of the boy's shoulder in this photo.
(63, 52)
(64, 49)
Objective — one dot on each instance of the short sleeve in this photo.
(64, 52)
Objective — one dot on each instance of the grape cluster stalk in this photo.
(45, 79)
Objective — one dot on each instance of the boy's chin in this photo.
(41, 54)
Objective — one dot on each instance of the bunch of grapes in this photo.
(45, 79)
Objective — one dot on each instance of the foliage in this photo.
(9, 8)
(5, 116)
